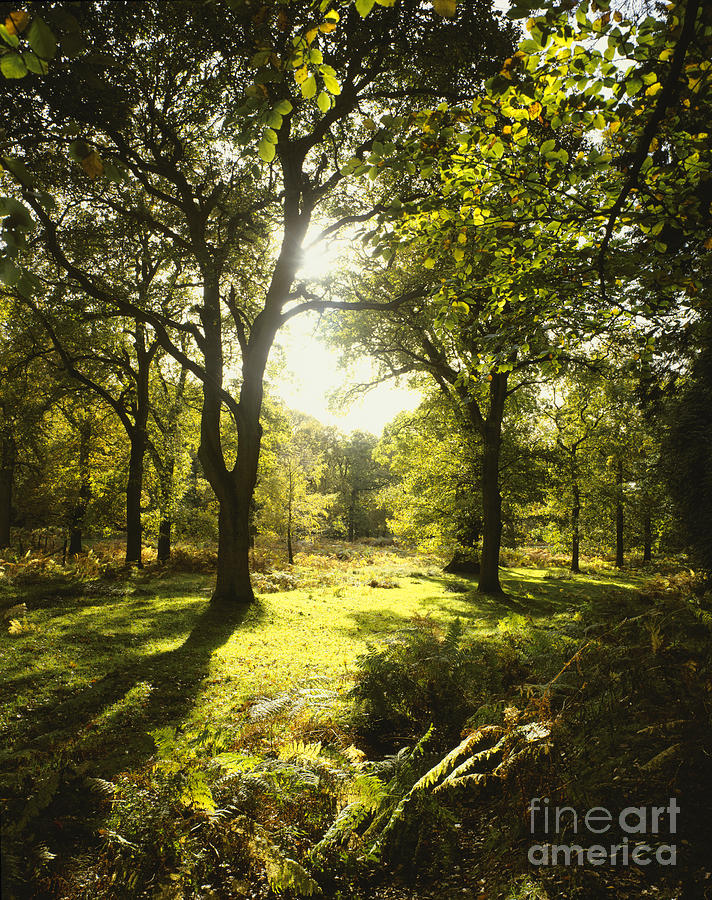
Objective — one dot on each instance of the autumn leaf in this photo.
(445, 8)
(535, 110)
(17, 21)
(92, 164)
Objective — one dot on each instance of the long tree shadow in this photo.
(101, 731)
(170, 680)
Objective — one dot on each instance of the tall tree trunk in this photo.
(290, 501)
(647, 536)
(84, 495)
(233, 488)
(352, 516)
(138, 436)
(620, 560)
(8, 457)
(491, 497)
(166, 470)
(575, 518)
(232, 584)
(163, 549)
(134, 490)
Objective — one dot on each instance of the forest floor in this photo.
(104, 657)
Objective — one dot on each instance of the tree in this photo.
(289, 496)
(117, 369)
(436, 463)
(575, 411)
(177, 128)
(168, 408)
(355, 478)
(26, 394)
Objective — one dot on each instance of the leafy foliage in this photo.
(421, 677)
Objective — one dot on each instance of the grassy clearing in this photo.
(97, 665)
(98, 647)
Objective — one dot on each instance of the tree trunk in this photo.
(138, 436)
(8, 458)
(84, 495)
(165, 469)
(290, 551)
(134, 489)
(620, 561)
(491, 497)
(290, 501)
(233, 586)
(647, 537)
(575, 527)
(352, 517)
(235, 488)
(6, 478)
(164, 540)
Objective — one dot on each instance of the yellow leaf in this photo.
(301, 75)
(311, 34)
(614, 126)
(327, 27)
(654, 89)
(92, 164)
(445, 8)
(17, 21)
(708, 244)
(535, 110)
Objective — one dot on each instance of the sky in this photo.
(313, 373)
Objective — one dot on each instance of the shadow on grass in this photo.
(102, 730)
(167, 682)
(533, 596)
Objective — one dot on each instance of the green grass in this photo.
(101, 664)
(107, 662)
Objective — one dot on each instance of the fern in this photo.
(283, 873)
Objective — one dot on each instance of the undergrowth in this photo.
(590, 698)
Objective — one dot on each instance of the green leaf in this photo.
(41, 39)
(11, 39)
(283, 107)
(78, 150)
(547, 146)
(274, 120)
(269, 134)
(12, 65)
(266, 150)
(365, 6)
(11, 207)
(35, 64)
(309, 87)
(18, 168)
(9, 272)
(323, 101)
(332, 85)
